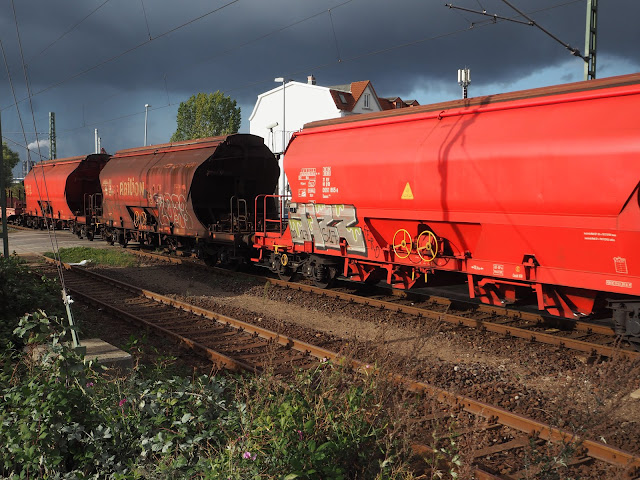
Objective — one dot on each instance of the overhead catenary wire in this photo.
(67, 32)
(18, 144)
(144, 12)
(122, 54)
(50, 225)
(529, 22)
(573, 50)
(395, 47)
(335, 37)
(316, 66)
(225, 52)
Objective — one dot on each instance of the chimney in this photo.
(311, 80)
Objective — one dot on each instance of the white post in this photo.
(283, 188)
(146, 113)
(95, 141)
(284, 135)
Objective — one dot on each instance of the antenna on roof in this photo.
(464, 80)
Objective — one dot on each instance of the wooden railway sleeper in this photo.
(518, 442)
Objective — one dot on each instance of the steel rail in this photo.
(516, 315)
(503, 329)
(596, 450)
(264, 333)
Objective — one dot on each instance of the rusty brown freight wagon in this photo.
(197, 195)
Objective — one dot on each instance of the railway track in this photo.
(239, 345)
(585, 337)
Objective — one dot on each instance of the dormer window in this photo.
(342, 99)
(366, 100)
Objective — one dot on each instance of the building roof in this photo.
(346, 97)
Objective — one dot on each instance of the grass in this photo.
(97, 256)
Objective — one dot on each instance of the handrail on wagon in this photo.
(242, 217)
(279, 224)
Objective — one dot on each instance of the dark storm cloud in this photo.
(103, 72)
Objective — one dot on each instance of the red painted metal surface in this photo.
(184, 188)
(15, 206)
(532, 188)
(58, 187)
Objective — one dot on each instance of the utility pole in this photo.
(590, 40)
(52, 136)
(3, 200)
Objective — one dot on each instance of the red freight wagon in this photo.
(65, 191)
(192, 194)
(528, 193)
(15, 207)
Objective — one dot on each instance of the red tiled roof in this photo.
(386, 104)
(356, 89)
(338, 95)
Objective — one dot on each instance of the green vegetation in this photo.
(22, 291)
(98, 256)
(62, 418)
(10, 159)
(206, 115)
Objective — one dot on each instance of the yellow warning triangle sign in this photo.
(407, 194)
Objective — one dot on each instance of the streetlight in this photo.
(146, 114)
(284, 133)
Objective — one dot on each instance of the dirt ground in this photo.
(565, 389)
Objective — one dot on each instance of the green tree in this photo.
(207, 115)
(10, 159)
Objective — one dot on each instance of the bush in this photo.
(20, 290)
(62, 418)
(317, 426)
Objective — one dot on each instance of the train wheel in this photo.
(285, 274)
(210, 259)
(123, 240)
(323, 276)
(280, 265)
(626, 319)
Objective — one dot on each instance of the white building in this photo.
(286, 108)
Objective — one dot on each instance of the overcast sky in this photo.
(96, 63)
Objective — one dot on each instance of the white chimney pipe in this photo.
(97, 142)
